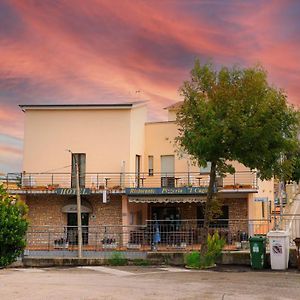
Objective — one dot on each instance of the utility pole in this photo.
(79, 227)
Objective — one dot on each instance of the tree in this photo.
(234, 115)
(294, 159)
(296, 170)
(13, 227)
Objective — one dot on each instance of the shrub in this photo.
(117, 259)
(215, 245)
(13, 227)
(192, 260)
(141, 262)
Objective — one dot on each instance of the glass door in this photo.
(72, 233)
(167, 171)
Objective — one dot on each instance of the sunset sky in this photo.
(102, 51)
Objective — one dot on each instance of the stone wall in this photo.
(47, 210)
(238, 216)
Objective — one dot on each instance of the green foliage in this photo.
(192, 260)
(215, 245)
(197, 260)
(117, 259)
(235, 115)
(141, 262)
(13, 227)
(294, 159)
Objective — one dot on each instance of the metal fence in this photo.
(290, 223)
(117, 181)
(157, 235)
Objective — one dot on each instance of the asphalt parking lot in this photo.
(131, 282)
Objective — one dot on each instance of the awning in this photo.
(169, 199)
(71, 207)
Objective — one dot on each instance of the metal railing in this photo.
(289, 223)
(119, 181)
(155, 234)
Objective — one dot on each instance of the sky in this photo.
(115, 51)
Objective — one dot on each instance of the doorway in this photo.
(165, 213)
(72, 232)
(167, 171)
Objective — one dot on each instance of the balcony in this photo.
(95, 183)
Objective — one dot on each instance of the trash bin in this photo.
(257, 252)
(279, 249)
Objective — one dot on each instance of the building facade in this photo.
(129, 172)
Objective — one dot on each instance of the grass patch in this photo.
(117, 259)
(140, 262)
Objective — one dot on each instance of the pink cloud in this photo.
(104, 51)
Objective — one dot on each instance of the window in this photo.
(167, 171)
(220, 221)
(150, 165)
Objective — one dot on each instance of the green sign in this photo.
(166, 191)
(62, 191)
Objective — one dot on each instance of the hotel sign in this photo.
(167, 191)
(261, 199)
(62, 191)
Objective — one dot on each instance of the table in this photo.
(199, 179)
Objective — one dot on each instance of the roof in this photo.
(174, 106)
(81, 106)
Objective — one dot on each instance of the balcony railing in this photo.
(246, 180)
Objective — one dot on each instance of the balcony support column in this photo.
(125, 220)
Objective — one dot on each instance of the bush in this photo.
(141, 262)
(13, 227)
(215, 245)
(192, 260)
(117, 259)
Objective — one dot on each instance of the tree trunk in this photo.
(208, 207)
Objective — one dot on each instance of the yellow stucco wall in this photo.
(107, 136)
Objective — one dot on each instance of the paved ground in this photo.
(91, 283)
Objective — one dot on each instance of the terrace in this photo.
(96, 183)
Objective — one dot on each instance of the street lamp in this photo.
(79, 227)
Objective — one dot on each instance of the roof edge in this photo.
(24, 107)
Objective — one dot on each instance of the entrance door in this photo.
(165, 213)
(167, 171)
(169, 221)
(72, 233)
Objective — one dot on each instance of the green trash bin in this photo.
(257, 252)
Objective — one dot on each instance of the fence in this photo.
(155, 234)
(290, 223)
